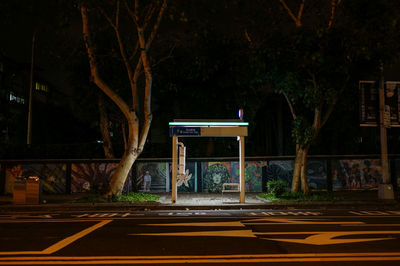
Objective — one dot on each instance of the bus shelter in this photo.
(205, 128)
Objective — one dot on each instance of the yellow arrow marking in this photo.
(326, 238)
(295, 221)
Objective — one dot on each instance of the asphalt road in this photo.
(261, 237)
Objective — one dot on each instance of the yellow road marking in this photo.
(316, 238)
(48, 221)
(60, 244)
(326, 238)
(246, 258)
(285, 221)
(225, 233)
(283, 255)
(228, 224)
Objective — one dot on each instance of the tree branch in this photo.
(156, 24)
(94, 69)
(333, 103)
(290, 105)
(334, 4)
(300, 13)
(297, 20)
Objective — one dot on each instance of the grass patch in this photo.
(138, 197)
(125, 197)
(299, 197)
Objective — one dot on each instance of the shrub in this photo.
(276, 187)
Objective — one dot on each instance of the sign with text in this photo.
(369, 103)
(184, 131)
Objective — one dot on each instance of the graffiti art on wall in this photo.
(158, 175)
(356, 174)
(11, 173)
(52, 176)
(186, 182)
(217, 173)
(94, 177)
(214, 175)
(283, 170)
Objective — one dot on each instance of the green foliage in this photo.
(138, 197)
(300, 197)
(302, 131)
(125, 197)
(276, 187)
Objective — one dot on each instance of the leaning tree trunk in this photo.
(130, 155)
(296, 170)
(299, 169)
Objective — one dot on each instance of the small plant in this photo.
(276, 187)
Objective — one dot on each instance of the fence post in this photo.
(2, 178)
(329, 184)
(68, 178)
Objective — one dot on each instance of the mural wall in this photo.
(94, 177)
(356, 174)
(200, 176)
(158, 173)
(52, 176)
(214, 174)
(283, 170)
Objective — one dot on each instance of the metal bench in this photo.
(230, 187)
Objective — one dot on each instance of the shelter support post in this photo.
(174, 169)
(241, 168)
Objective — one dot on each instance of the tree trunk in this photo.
(299, 169)
(130, 155)
(303, 177)
(105, 129)
(296, 170)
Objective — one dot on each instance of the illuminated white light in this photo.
(208, 123)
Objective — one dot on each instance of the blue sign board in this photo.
(184, 131)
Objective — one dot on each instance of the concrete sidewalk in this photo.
(349, 200)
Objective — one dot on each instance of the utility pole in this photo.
(385, 188)
(29, 130)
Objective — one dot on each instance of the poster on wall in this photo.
(151, 176)
(214, 174)
(186, 182)
(95, 177)
(52, 176)
(283, 170)
(356, 174)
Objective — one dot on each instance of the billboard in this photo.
(369, 102)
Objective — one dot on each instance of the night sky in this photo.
(210, 59)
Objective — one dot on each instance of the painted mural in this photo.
(217, 173)
(94, 177)
(187, 182)
(283, 170)
(11, 173)
(356, 174)
(158, 173)
(52, 176)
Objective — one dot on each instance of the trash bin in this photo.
(19, 190)
(26, 190)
